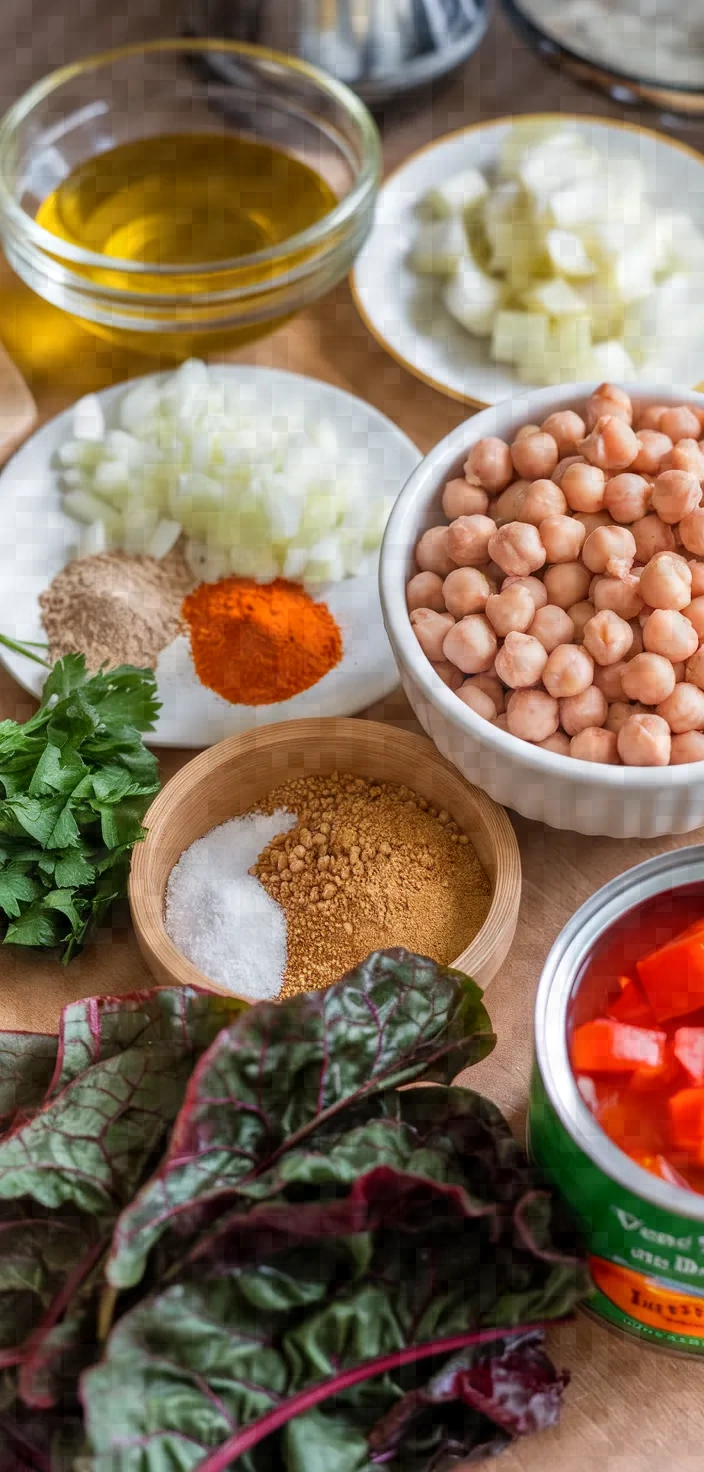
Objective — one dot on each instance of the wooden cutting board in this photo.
(18, 411)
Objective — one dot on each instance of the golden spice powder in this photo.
(368, 866)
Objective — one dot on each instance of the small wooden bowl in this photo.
(232, 776)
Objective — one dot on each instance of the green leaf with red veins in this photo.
(93, 1111)
(27, 1062)
(289, 1070)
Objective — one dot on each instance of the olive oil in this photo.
(181, 201)
(186, 199)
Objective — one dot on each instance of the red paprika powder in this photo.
(258, 643)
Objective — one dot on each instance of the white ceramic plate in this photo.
(405, 312)
(37, 540)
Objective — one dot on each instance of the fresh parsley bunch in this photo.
(75, 783)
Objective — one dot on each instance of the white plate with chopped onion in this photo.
(534, 251)
(263, 473)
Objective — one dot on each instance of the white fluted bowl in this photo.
(623, 802)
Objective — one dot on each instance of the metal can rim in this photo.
(558, 981)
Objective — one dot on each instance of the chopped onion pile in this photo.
(563, 262)
(260, 493)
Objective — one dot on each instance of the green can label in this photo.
(646, 1262)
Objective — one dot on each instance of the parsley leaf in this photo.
(75, 783)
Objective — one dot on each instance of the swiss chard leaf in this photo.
(77, 1153)
(287, 1071)
(27, 1062)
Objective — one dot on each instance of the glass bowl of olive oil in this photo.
(177, 213)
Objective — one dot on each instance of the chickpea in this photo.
(590, 520)
(680, 669)
(432, 552)
(425, 591)
(511, 610)
(478, 701)
(684, 709)
(567, 429)
(525, 431)
(471, 644)
(543, 498)
(689, 747)
(694, 612)
(620, 595)
(697, 570)
(566, 583)
(577, 712)
(563, 465)
(675, 494)
(654, 446)
(607, 678)
(461, 499)
(491, 687)
(651, 418)
(666, 582)
(466, 590)
(559, 743)
(449, 674)
(517, 548)
(489, 465)
(686, 455)
(562, 537)
(652, 535)
(430, 629)
(694, 669)
(670, 634)
(535, 456)
(644, 741)
(520, 661)
(532, 715)
(611, 445)
(608, 399)
(627, 496)
(610, 549)
(569, 671)
(595, 744)
(692, 531)
(510, 503)
(580, 614)
(680, 424)
(552, 626)
(532, 585)
(618, 714)
(608, 638)
(584, 487)
(649, 678)
(468, 540)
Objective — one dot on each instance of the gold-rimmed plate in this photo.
(406, 314)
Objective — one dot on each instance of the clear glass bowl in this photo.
(167, 87)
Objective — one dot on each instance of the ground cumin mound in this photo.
(369, 865)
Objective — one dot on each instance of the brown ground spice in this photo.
(116, 609)
(369, 865)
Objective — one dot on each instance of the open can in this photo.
(644, 1236)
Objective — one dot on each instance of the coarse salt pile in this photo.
(220, 917)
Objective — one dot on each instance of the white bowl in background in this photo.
(623, 802)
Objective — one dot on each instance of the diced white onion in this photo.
(254, 493)
(568, 237)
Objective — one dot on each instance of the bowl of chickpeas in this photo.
(542, 582)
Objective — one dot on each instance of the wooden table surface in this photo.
(628, 1409)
